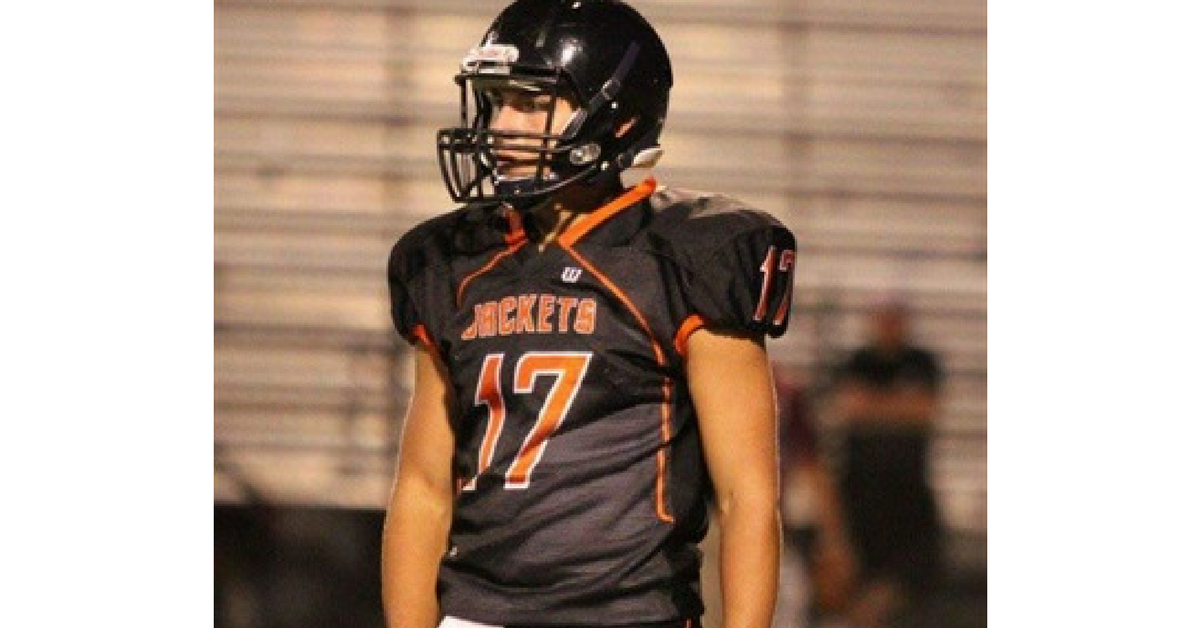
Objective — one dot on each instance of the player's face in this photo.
(525, 112)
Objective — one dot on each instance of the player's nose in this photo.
(508, 118)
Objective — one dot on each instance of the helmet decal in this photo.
(492, 58)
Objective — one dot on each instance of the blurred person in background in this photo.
(813, 520)
(886, 399)
(590, 364)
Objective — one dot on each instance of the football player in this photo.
(590, 370)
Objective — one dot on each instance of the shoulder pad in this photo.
(736, 263)
(423, 254)
(679, 215)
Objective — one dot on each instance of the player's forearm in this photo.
(750, 538)
(414, 540)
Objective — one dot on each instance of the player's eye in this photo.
(493, 97)
(530, 103)
(524, 101)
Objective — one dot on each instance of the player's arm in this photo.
(730, 382)
(418, 518)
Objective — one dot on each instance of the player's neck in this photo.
(553, 217)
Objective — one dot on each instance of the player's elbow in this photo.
(423, 496)
(749, 498)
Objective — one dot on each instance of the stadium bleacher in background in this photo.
(859, 123)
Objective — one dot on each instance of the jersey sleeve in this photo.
(404, 312)
(746, 281)
(404, 289)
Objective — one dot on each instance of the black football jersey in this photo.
(580, 483)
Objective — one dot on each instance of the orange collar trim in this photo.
(516, 232)
(594, 219)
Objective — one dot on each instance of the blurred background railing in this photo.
(859, 123)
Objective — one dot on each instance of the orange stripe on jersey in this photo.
(689, 325)
(516, 231)
(660, 357)
(512, 248)
(661, 482)
(592, 220)
(421, 334)
(620, 294)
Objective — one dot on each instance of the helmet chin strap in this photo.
(514, 186)
(520, 191)
(633, 165)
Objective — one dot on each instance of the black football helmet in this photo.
(600, 55)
